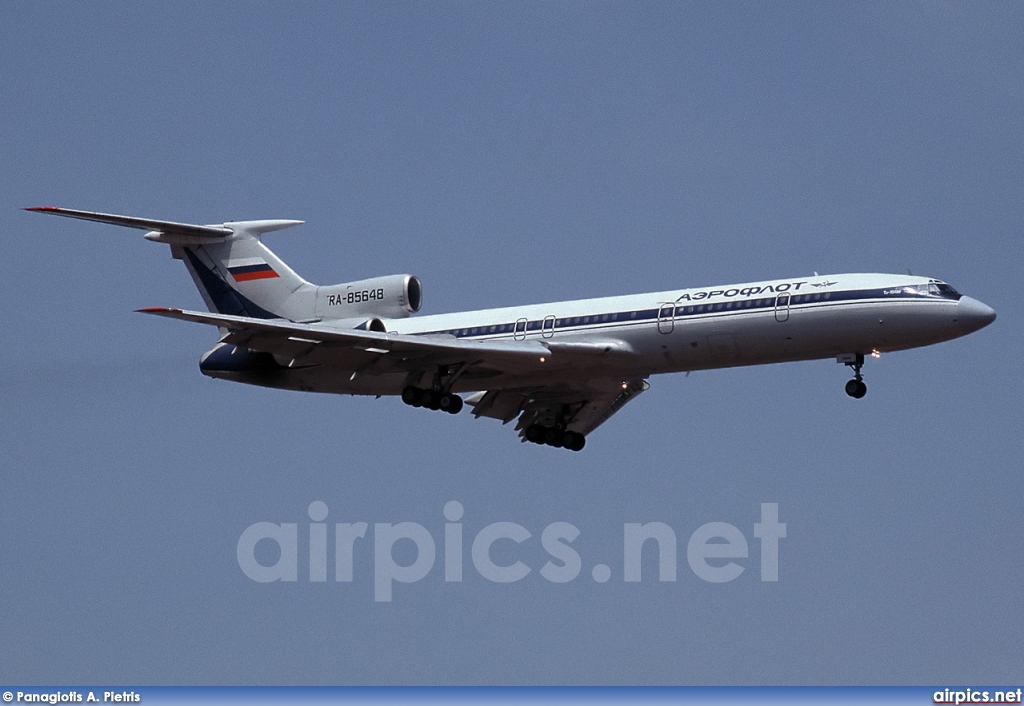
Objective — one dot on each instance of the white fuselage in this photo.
(696, 329)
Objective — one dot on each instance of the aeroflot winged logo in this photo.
(255, 268)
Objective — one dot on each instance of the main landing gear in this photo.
(555, 436)
(432, 399)
(439, 395)
(855, 388)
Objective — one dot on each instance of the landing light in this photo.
(543, 359)
(875, 353)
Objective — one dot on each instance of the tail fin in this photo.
(233, 270)
(240, 275)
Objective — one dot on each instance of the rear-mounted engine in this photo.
(394, 296)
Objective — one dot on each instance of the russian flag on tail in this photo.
(248, 270)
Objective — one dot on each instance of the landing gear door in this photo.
(782, 307)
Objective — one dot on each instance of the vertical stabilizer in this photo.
(242, 276)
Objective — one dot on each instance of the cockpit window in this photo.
(933, 289)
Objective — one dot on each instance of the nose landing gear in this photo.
(855, 388)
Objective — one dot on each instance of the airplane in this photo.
(560, 369)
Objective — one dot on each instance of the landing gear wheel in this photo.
(574, 441)
(856, 389)
(553, 437)
(432, 399)
(448, 402)
(429, 399)
(412, 396)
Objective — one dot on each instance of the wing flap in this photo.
(497, 404)
(582, 407)
(598, 411)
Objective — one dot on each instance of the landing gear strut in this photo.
(856, 388)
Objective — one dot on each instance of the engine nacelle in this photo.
(394, 296)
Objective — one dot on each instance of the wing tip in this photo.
(42, 208)
(158, 310)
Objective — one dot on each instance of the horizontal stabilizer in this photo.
(168, 227)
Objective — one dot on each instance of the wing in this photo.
(370, 352)
(578, 405)
(581, 406)
(376, 352)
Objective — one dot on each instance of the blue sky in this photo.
(510, 153)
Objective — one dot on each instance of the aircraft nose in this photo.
(972, 314)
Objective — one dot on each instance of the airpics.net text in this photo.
(712, 552)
